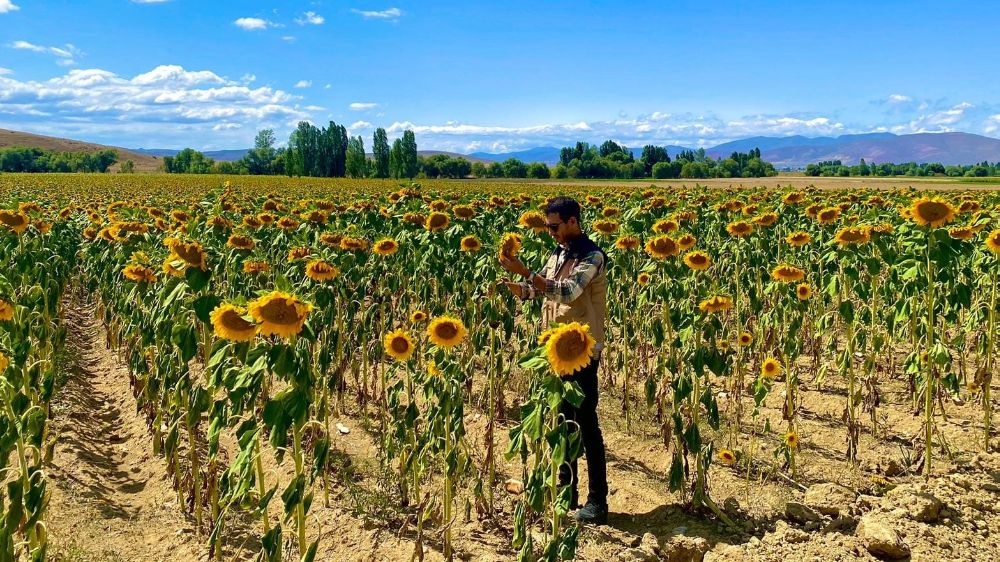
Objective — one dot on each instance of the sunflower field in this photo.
(255, 316)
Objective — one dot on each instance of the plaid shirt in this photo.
(571, 287)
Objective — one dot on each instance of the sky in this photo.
(495, 76)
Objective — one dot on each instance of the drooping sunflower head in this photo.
(320, 270)
(386, 247)
(436, 221)
(770, 368)
(352, 244)
(852, 236)
(296, 253)
(446, 331)
(256, 267)
(607, 227)
(610, 212)
(793, 198)
(191, 253)
(662, 247)
(727, 457)
(241, 242)
(697, 260)
(288, 223)
(786, 273)
(744, 339)
(717, 303)
(510, 245)
(4, 362)
(173, 267)
(6, 310)
(627, 243)
(570, 348)
(463, 212)
(932, 212)
(766, 219)
(398, 344)
(418, 316)
(279, 314)
(230, 323)
(16, 221)
(962, 232)
(471, 244)
(665, 226)
(797, 239)
(533, 220)
(993, 241)
(828, 215)
(139, 273)
(643, 279)
(687, 241)
(739, 229)
(803, 291)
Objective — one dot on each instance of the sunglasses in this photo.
(554, 227)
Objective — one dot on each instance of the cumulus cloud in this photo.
(8, 6)
(253, 24)
(389, 14)
(310, 18)
(360, 106)
(5, 71)
(899, 98)
(65, 55)
(303, 84)
(360, 126)
(168, 104)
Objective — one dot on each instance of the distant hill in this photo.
(143, 162)
(946, 148)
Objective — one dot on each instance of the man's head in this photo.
(562, 217)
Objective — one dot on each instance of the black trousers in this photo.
(590, 433)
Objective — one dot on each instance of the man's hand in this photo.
(515, 288)
(514, 266)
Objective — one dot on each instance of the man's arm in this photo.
(569, 289)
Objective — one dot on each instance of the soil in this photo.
(112, 499)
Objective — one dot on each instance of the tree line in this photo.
(31, 160)
(836, 168)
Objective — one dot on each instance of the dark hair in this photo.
(565, 207)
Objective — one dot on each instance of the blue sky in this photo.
(495, 76)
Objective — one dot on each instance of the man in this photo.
(574, 284)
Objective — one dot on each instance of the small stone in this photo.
(514, 487)
(343, 429)
(829, 498)
(881, 539)
(801, 513)
(916, 503)
(812, 526)
(794, 536)
(650, 543)
(682, 548)
(634, 541)
(839, 523)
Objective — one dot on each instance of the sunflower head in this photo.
(643, 279)
(932, 212)
(828, 215)
(786, 273)
(398, 344)
(771, 368)
(16, 221)
(627, 243)
(418, 316)
(697, 260)
(256, 267)
(665, 226)
(320, 270)
(279, 314)
(606, 227)
(797, 239)
(717, 303)
(240, 242)
(852, 235)
(471, 244)
(766, 219)
(961, 232)
(510, 245)
(446, 331)
(792, 440)
(803, 291)
(744, 339)
(191, 253)
(6, 310)
(463, 212)
(993, 241)
(139, 273)
(687, 241)
(533, 220)
(4, 362)
(662, 247)
(739, 229)
(436, 221)
(727, 457)
(570, 348)
(386, 247)
(230, 323)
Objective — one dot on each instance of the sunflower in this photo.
(471, 244)
(352, 244)
(418, 316)
(771, 368)
(610, 212)
(606, 227)
(665, 226)
(463, 212)
(744, 339)
(139, 273)
(288, 223)
(717, 303)
(627, 243)
(279, 314)
(697, 260)
(803, 291)
(797, 239)
(739, 229)
(398, 344)
(686, 242)
(661, 247)
(320, 270)
(436, 221)
(852, 235)
(252, 222)
(792, 440)
(793, 198)
(961, 233)
(315, 217)
(446, 331)
(191, 253)
(827, 215)
(727, 457)
(785, 273)
(386, 247)
(6, 310)
(570, 348)
(4, 362)
(510, 245)
(766, 219)
(993, 241)
(533, 220)
(14, 220)
(643, 279)
(256, 267)
(933, 212)
(240, 242)
(298, 252)
(230, 324)
(170, 269)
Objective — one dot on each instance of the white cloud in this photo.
(303, 84)
(253, 24)
(360, 125)
(361, 106)
(167, 105)
(310, 18)
(992, 125)
(288, 38)
(899, 98)
(248, 78)
(389, 14)
(8, 6)
(327, 87)
(5, 71)
(65, 55)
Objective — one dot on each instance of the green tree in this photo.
(380, 150)
(357, 163)
(410, 163)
